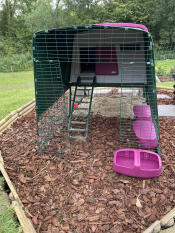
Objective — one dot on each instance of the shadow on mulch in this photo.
(84, 193)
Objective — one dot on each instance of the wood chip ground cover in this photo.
(166, 101)
(85, 194)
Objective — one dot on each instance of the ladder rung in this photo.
(78, 137)
(80, 95)
(78, 122)
(78, 115)
(81, 109)
(84, 89)
(84, 102)
(77, 130)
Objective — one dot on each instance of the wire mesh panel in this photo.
(51, 109)
(94, 56)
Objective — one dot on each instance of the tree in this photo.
(164, 21)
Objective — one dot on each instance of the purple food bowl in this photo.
(146, 133)
(142, 112)
(137, 163)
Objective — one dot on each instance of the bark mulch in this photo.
(84, 194)
(165, 101)
(166, 78)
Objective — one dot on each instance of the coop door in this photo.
(106, 61)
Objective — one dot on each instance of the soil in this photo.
(109, 106)
(83, 193)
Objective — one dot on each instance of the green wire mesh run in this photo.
(131, 97)
(118, 57)
(51, 110)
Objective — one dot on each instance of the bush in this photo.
(165, 67)
(15, 63)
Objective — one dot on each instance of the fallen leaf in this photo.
(50, 179)
(25, 201)
(80, 217)
(47, 218)
(80, 202)
(99, 210)
(145, 199)
(93, 218)
(138, 204)
(125, 181)
(116, 203)
(55, 222)
(75, 182)
(116, 191)
(35, 220)
(143, 184)
(65, 227)
(120, 211)
(22, 178)
(93, 227)
(133, 201)
(154, 200)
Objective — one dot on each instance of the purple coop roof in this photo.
(132, 25)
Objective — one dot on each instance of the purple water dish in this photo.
(137, 163)
(146, 133)
(142, 112)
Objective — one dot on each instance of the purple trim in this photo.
(132, 25)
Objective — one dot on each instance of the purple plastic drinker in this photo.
(142, 112)
(146, 133)
(137, 163)
(106, 61)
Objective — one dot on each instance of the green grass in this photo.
(165, 67)
(16, 89)
(8, 221)
(165, 84)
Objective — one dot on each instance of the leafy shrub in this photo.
(15, 63)
(165, 67)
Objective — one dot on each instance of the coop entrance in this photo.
(87, 60)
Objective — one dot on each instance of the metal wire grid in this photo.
(54, 53)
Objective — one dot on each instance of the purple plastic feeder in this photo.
(146, 133)
(142, 112)
(137, 163)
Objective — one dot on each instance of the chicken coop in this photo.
(73, 64)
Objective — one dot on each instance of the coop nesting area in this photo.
(83, 193)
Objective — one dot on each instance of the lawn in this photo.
(165, 84)
(165, 67)
(16, 89)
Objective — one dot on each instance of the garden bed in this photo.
(84, 194)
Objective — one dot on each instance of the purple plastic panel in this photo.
(106, 61)
(137, 163)
(146, 133)
(142, 112)
(132, 25)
